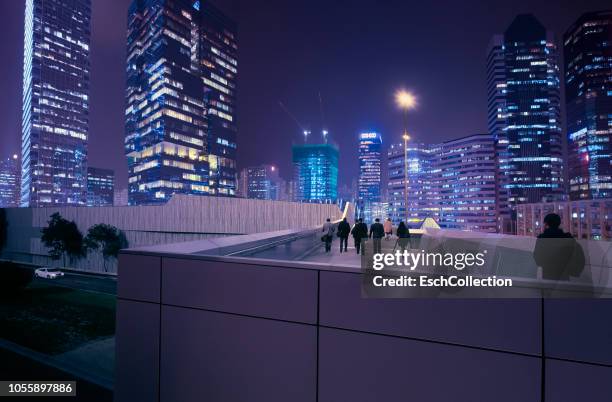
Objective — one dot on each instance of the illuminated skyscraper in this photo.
(100, 187)
(421, 194)
(9, 182)
(180, 94)
(316, 172)
(588, 93)
(262, 182)
(525, 119)
(369, 193)
(219, 63)
(464, 181)
(55, 120)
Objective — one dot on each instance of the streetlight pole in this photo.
(406, 101)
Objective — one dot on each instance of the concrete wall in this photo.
(230, 330)
(183, 218)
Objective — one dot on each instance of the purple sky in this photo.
(355, 53)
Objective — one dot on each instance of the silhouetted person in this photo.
(359, 232)
(377, 232)
(403, 235)
(344, 229)
(328, 236)
(388, 226)
(557, 252)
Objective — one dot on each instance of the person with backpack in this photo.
(359, 232)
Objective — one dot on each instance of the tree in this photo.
(63, 238)
(107, 238)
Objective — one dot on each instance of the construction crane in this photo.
(302, 128)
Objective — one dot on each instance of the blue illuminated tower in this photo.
(524, 114)
(588, 93)
(370, 144)
(55, 121)
(316, 172)
(180, 100)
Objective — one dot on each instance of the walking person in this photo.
(344, 229)
(403, 235)
(388, 226)
(328, 236)
(359, 232)
(377, 232)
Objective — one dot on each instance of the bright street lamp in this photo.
(405, 101)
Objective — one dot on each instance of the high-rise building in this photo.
(262, 182)
(9, 182)
(464, 179)
(588, 92)
(418, 159)
(180, 94)
(219, 63)
(369, 194)
(120, 198)
(100, 187)
(524, 115)
(316, 172)
(55, 121)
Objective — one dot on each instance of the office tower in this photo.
(120, 198)
(100, 187)
(528, 128)
(588, 94)
(262, 182)
(180, 88)
(421, 195)
(369, 197)
(9, 182)
(464, 179)
(55, 119)
(316, 172)
(219, 63)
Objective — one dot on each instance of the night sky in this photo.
(355, 53)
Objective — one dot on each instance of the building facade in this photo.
(9, 182)
(180, 87)
(464, 181)
(315, 169)
(100, 187)
(219, 63)
(421, 196)
(55, 120)
(584, 219)
(263, 183)
(524, 116)
(370, 175)
(587, 47)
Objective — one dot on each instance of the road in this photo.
(92, 283)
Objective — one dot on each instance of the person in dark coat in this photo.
(344, 229)
(557, 252)
(403, 235)
(377, 232)
(359, 232)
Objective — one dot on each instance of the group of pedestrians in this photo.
(359, 231)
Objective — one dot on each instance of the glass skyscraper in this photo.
(464, 181)
(262, 182)
(316, 172)
(369, 193)
(9, 182)
(588, 92)
(100, 187)
(421, 197)
(55, 119)
(524, 114)
(180, 88)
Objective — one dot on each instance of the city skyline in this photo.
(379, 111)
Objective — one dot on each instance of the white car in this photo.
(49, 273)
